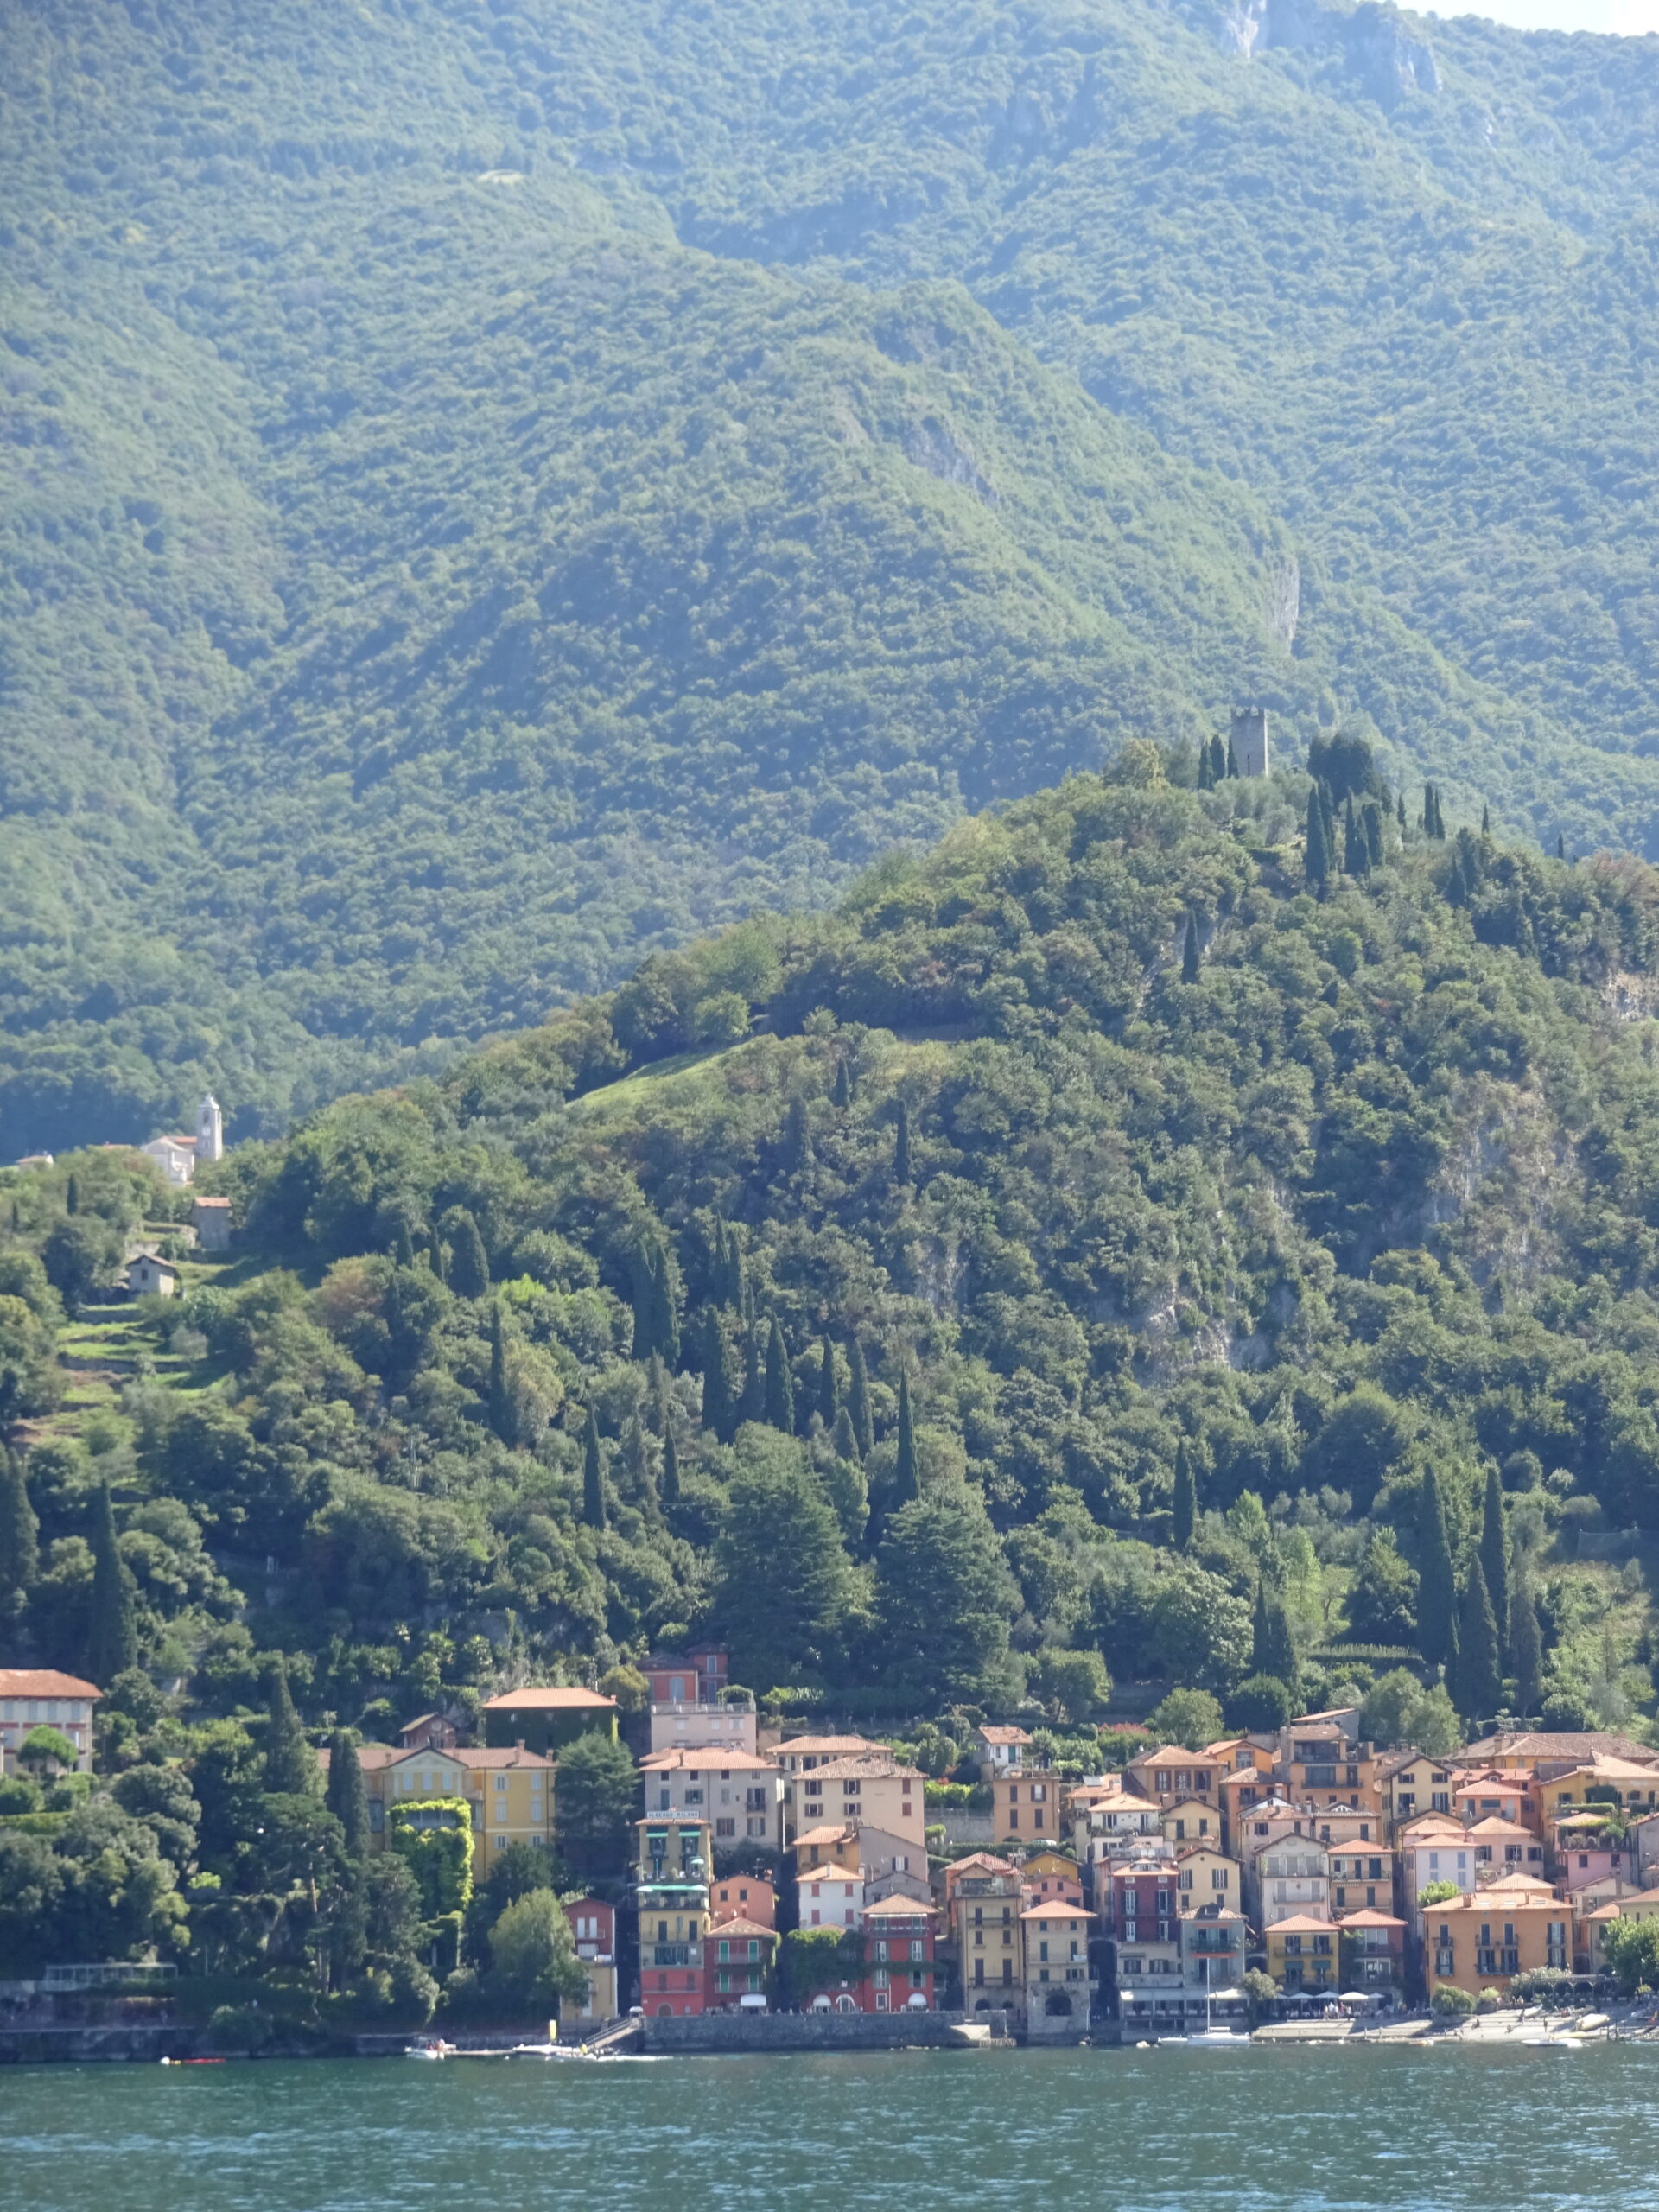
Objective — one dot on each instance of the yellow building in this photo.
(1192, 1819)
(872, 1788)
(1509, 1927)
(510, 1794)
(1206, 1875)
(1322, 1766)
(1302, 1953)
(1170, 1773)
(1026, 1807)
(1412, 1785)
(1620, 1783)
(985, 1905)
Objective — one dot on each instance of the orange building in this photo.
(1507, 1928)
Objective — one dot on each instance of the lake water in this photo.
(1261, 2130)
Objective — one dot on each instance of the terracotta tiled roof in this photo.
(1299, 1924)
(819, 1747)
(481, 1759)
(880, 1765)
(1577, 1745)
(1001, 1735)
(901, 1908)
(829, 1874)
(1058, 1909)
(44, 1681)
(1174, 1755)
(815, 1838)
(1370, 1919)
(551, 1698)
(739, 1927)
(1494, 1830)
(696, 1758)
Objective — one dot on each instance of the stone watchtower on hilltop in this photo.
(1250, 741)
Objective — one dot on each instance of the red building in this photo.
(696, 1677)
(1144, 1901)
(897, 1975)
(738, 1958)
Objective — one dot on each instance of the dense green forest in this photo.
(1181, 1239)
(492, 491)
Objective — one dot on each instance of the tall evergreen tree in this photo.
(844, 1090)
(781, 1386)
(72, 1195)
(751, 1401)
(901, 1143)
(1371, 823)
(1190, 952)
(1315, 862)
(345, 1797)
(1400, 812)
(1218, 761)
(1356, 858)
(1485, 820)
(1232, 759)
(829, 1398)
(290, 1764)
(664, 1319)
(592, 1476)
(1560, 846)
(906, 1483)
(1526, 1644)
(1185, 1513)
(402, 1247)
(671, 1467)
(1479, 1680)
(1494, 1556)
(721, 1390)
(20, 1547)
(736, 1285)
(858, 1399)
(1328, 815)
(845, 1443)
(1437, 1600)
(798, 1137)
(112, 1643)
(501, 1418)
(469, 1268)
(1273, 1649)
(1206, 774)
(644, 1304)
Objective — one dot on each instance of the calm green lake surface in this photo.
(1297, 2130)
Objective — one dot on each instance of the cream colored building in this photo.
(738, 1793)
(872, 1788)
(41, 1697)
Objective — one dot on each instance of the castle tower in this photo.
(1250, 739)
(210, 1130)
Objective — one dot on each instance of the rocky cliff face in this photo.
(1378, 47)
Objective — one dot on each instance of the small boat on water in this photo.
(431, 2047)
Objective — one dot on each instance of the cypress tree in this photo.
(1485, 820)
(664, 1321)
(1400, 812)
(1437, 1588)
(290, 1764)
(1494, 1556)
(844, 1090)
(1328, 813)
(828, 1397)
(718, 1385)
(1526, 1644)
(592, 1476)
(671, 1467)
(1370, 820)
(901, 1144)
(20, 1547)
(1273, 1649)
(1218, 761)
(1560, 846)
(752, 1404)
(346, 1797)
(500, 1398)
(402, 1247)
(112, 1643)
(72, 1195)
(645, 1304)
(905, 1483)
(1206, 777)
(1232, 759)
(780, 1387)
(1479, 1679)
(1315, 862)
(1356, 858)
(798, 1137)
(858, 1399)
(1190, 952)
(845, 1443)
(469, 1269)
(1186, 1501)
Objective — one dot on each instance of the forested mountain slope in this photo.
(1102, 1237)
(440, 564)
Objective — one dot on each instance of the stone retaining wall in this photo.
(821, 2031)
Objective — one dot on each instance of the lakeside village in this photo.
(1259, 1880)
